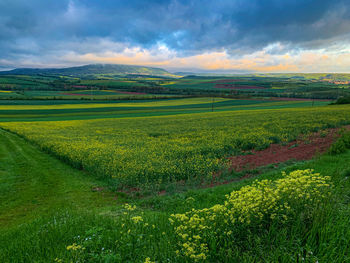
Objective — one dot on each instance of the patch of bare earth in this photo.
(299, 150)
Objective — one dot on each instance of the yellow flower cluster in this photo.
(74, 247)
(137, 219)
(129, 207)
(263, 201)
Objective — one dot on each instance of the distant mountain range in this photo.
(93, 69)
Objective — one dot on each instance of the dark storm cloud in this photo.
(41, 28)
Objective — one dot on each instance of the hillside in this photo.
(93, 69)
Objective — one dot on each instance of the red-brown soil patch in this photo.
(233, 86)
(301, 149)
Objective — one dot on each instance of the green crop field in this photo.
(73, 110)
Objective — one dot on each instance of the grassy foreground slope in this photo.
(33, 183)
(55, 231)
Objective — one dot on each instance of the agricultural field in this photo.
(115, 86)
(137, 152)
(274, 85)
(174, 131)
(84, 94)
(27, 110)
(151, 181)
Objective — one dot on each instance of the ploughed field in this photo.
(179, 141)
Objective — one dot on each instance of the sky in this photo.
(204, 35)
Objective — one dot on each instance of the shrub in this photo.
(201, 233)
(341, 144)
(346, 139)
(337, 147)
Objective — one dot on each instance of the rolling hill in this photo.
(93, 69)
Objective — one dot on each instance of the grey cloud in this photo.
(44, 28)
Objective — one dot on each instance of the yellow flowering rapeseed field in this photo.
(144, 150)
(256, 205)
